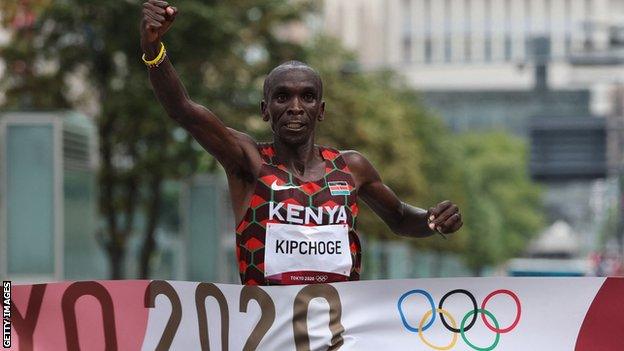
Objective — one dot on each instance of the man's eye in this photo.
(281, 98)
(308, 97)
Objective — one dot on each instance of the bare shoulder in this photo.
(357, 162)
(361, 168)
(354, 159)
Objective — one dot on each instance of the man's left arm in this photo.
(403, 219)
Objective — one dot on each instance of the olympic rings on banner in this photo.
(422, 337)
(474, 304)
(518, 309)
(463, 334)
(404, 320)
(430, 316)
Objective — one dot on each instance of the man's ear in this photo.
(321, 115)
(264, 111)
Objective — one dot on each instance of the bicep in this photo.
(234, 150)
(371, 189)
(383, 201)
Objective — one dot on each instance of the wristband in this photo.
(158, 59)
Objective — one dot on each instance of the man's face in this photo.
(294, 104)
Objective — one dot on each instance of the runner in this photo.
(295, 202)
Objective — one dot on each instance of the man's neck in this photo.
(297, 157)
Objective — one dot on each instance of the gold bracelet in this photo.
(158, 59)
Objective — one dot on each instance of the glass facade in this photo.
(83, 258)
(210, 231)
(505, 110)
(49, 199)
(30, 199)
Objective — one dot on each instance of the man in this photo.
(294, 201)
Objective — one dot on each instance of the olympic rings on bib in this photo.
(429, 317)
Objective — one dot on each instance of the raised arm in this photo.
(234, 150)
(403, 219)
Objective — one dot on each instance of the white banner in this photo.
(420, 314)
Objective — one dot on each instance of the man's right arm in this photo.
(234, 150)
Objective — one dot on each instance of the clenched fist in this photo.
(157, 18)
(444, 217)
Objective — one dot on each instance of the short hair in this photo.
(269, 80)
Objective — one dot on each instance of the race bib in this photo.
(304, 254)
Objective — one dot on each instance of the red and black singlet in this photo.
(282, 200)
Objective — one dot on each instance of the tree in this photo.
(221, 49)
(504, 206)
(364, 113)
(424, 163)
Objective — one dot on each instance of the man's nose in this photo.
(295, 108)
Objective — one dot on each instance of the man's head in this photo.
(293, 101)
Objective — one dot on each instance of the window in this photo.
(428, 34)
(467, 30)
(488, 30)
(407, 31)
(567, 10)
(448, 31)
(508, 48)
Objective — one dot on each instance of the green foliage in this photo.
(376, 114)
(222, 50)
(365, 113)
(503, 206)
(424, 163)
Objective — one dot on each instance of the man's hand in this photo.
(157, 18)
(444, 217)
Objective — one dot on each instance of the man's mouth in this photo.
(294, 125)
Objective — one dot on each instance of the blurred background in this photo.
(514, 109)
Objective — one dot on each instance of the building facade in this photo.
(541, 69)
(476, 44)
(48, 213)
